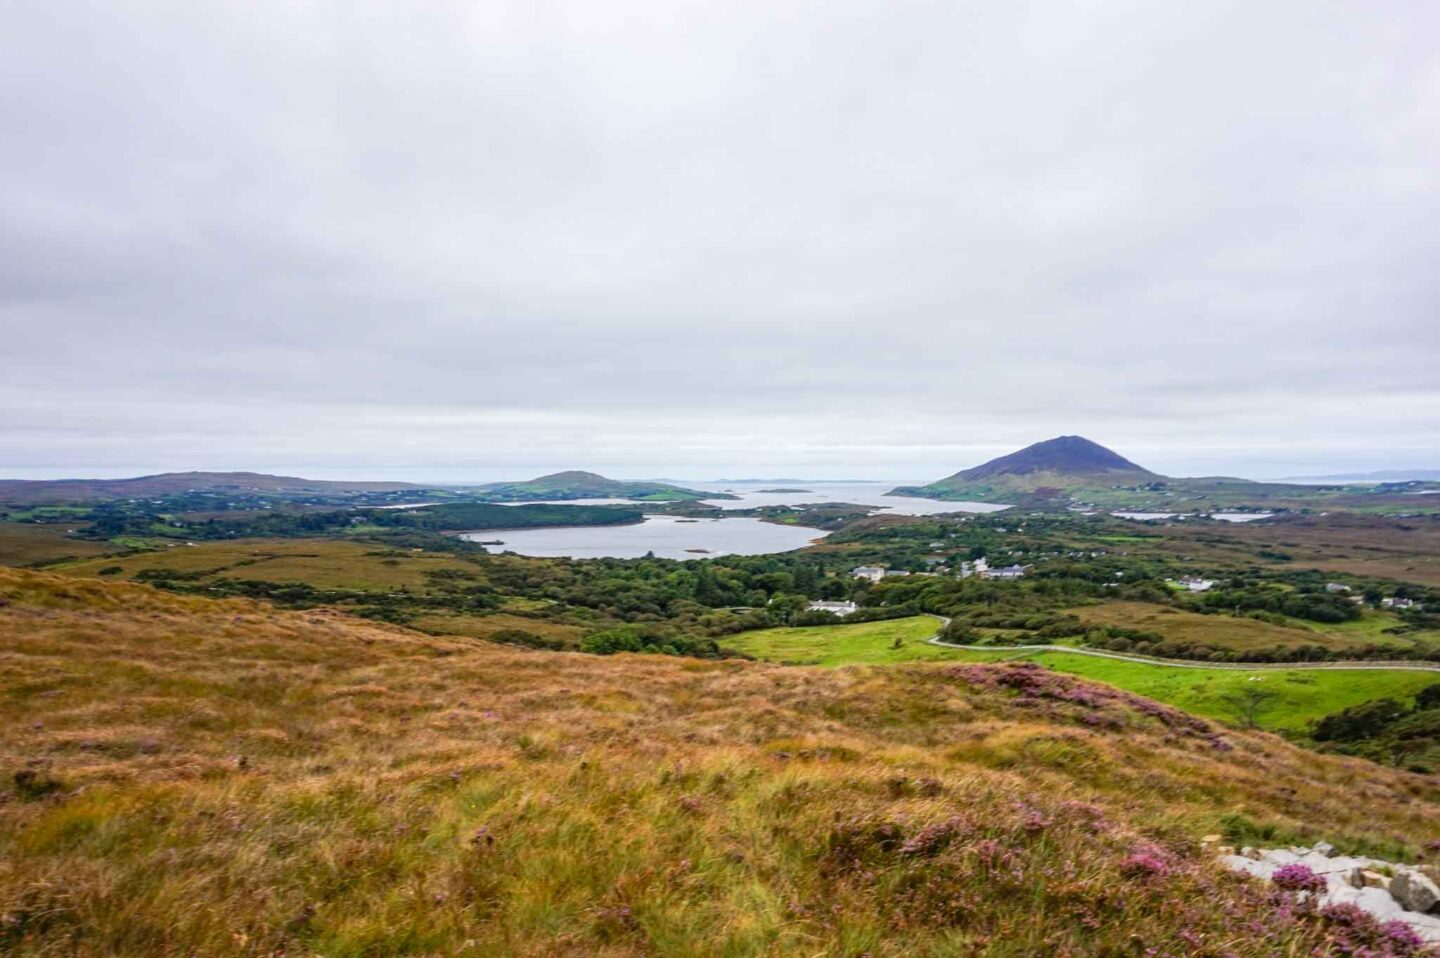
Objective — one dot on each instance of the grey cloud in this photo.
(689, 239)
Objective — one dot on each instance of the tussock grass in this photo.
(218, 778)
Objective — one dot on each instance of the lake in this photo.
(668, 537)
(860, 493)
(1222, 516)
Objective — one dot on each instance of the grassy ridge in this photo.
(1246, 634)
(218, 778)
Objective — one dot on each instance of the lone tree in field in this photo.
(1247, 703)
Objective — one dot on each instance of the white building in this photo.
(1006, 572)
(873, 573)
(1398, 603)
(839, 608)
(978, 567)
(1192, 584)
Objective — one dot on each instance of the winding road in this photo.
(1183, 663)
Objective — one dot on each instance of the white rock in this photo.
(1426, 926)
(1279, 856)
(1413, 890)
(1323, 848)
(1321, 865)
(1374, 901)
(1249, 866)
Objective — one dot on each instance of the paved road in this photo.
(1183, 663)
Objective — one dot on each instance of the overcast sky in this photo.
(881, 239)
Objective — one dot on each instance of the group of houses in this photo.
(978, 567)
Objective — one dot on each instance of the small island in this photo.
(771, 492)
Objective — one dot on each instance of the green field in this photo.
(1302, 694)
(867, 643)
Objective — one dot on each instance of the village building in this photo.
(839, 608)
(873, 573)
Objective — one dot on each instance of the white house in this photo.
(1006, 572)
(1192, 584)
(1336, 587)
(1398, 603)
(873, 573)
(839, 608)
(978, 567)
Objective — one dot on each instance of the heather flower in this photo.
(1146, 862)
(1297, 877)
(1357, 934)
(933, 838)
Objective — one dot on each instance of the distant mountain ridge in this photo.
(175, 483)
(1381, 475)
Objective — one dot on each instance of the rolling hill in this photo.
(575, 484)
(38, 491)
(191, 776)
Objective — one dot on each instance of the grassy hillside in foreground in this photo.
(189, 776)
(1301, 695)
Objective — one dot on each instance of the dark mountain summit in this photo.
(1063, 455)
(1045, 472)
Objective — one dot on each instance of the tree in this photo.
(1426, 698)
(1246, 704)
(1414, 733)
(707, 589)
(1364, 721)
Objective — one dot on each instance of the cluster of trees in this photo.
(631, 638)
(1388, 730)
(1274, 598)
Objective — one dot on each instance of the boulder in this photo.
(1414, 891)
(1279, 856)
(1323, 848)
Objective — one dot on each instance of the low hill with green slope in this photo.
(575, 484)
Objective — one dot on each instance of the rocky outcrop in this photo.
(1385, 890)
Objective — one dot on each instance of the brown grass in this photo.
(23, 543)
(322, 563)
(217, 778)
(1407, 549)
